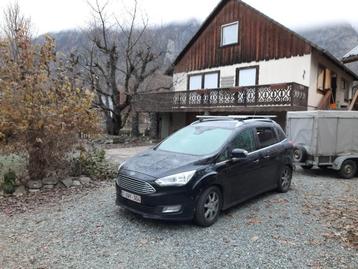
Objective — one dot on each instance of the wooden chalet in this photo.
(241, 61)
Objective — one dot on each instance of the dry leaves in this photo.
(253, 221)
(12, 205)
(342, 217)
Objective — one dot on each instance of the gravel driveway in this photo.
(271, 231)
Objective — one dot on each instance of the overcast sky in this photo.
(56, 15)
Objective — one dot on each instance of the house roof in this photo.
(222, 3)
(351, 56)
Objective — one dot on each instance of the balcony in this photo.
(262, 98)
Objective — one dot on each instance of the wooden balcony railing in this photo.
(275, 97)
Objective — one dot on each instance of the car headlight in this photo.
(180, 179)
(120, 166)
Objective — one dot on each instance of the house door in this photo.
(334, 91)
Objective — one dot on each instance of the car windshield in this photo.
(197, 140)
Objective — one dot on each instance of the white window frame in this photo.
(217, 84)
(202, 75)
(242, 69)
(189, 81)
(237, 33)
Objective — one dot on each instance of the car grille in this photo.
(134, 185)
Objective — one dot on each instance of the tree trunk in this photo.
(135, 124)
(37, 162)
(154, 125)
(113, 124)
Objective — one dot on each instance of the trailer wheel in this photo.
(348, 169)
(299, 154)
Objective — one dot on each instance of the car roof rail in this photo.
(267, 118)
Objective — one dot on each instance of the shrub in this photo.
(92, 163)
(9, 184)
(42, 112)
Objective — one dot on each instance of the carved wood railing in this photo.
(280, 97)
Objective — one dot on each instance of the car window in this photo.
(197, 140)
(224, 156)
(266, 136)
(281, 134)
(244, 140)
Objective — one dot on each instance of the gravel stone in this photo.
(271, 231)
(48, 187)
(34, 190)
(21, 190)
(34, 184)
(85, 181)
(50, 181)
(67, 182)
(76, 183)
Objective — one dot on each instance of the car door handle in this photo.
(256, 161)
(267, 157)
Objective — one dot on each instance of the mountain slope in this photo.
(337, 39)
(170, 38)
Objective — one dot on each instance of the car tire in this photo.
(285, 178)
(348, 169)
(208, 207)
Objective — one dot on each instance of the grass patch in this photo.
(13, 162)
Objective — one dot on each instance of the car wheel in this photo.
(348, 169)
(208, 207)
(307, 167)
(285, 179)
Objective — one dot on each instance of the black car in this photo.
(208, 166)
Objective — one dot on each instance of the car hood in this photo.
(156, 164)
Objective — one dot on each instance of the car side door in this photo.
(270, 152)
(240, 176)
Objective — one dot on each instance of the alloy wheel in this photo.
(285, 177)
(211, 206)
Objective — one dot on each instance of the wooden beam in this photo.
(325, 101)
(354, 101)
(350, 59)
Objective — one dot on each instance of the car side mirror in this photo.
(239, 154)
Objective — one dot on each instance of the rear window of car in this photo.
(267, 136)
(281, 134)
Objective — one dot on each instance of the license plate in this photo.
(131, 196)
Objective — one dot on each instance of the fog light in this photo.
(171, 209)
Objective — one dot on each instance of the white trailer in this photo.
(326, 139)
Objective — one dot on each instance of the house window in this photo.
(195, 82)
(345, 90)
(204, 81)
(230, 34)
(324, 79)
(248, 76)
(211, 81)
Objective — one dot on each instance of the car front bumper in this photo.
(152, 205)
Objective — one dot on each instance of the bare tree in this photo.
(121, 58)
(15, 21)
